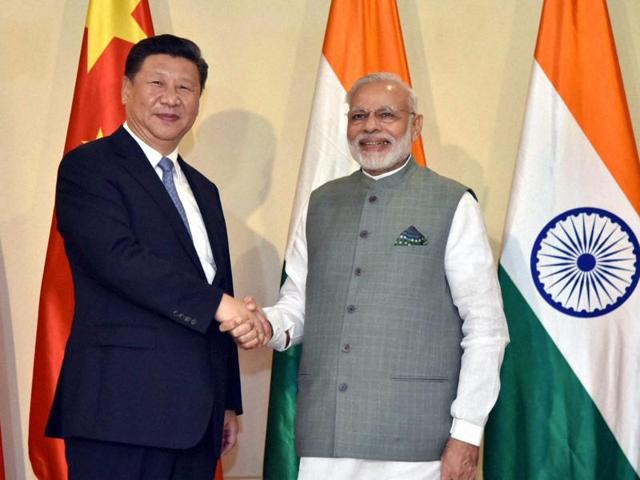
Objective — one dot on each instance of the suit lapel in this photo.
(131, 157)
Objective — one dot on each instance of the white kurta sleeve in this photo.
(475, 291)
(287, 315)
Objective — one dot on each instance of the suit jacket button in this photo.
(346, 348)
(357, 272)
(364, 233)
(343, 387)
(372, 198)
(351, 308)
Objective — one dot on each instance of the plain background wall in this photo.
(470, 62)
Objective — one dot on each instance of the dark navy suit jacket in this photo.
(145, 363)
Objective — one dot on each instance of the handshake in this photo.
(244, 321)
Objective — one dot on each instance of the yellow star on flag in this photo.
(98, 135)
(107, 19)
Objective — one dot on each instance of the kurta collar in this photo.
(391, 180)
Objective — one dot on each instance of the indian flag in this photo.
(362, 36)
(570, 397)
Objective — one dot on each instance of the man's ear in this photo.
(125, 89)
(416, 127)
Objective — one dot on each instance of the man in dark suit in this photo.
(149, 387)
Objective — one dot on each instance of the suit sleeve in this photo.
(94, 219)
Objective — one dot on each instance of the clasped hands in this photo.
(244, 321)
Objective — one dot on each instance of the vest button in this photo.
(373, 198)
(346, 348)
(364, 234)
(351, 308)
(357, 272)
(342, 387)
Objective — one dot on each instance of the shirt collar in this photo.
(152, 154)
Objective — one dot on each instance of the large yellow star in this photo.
(107, 19)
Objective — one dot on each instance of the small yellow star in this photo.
(107, 19)
(99, 135)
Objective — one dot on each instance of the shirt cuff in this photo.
(466, 432)
(279, 339)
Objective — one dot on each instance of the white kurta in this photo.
(475, 291)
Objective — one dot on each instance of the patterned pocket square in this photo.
(411, 236)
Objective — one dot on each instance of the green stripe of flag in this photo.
(279, 463)
(280, 460)
(545, 425)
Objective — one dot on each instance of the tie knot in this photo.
(165, 165)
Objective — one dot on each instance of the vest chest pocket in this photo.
(413, 263)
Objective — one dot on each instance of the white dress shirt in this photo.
(475, 291)
(194, 217)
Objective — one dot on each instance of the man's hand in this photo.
(252, 306)
(243, 325)
(229, 431)
(459, 461)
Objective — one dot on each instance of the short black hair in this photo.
(165, 44)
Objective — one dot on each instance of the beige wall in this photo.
(470, 62)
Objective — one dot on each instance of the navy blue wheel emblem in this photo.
(585, 262)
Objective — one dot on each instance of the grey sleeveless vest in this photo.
(381, 353)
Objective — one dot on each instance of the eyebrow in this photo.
(355, 108)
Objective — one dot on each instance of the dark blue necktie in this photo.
(166, 165)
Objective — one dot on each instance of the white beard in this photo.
(400, 150)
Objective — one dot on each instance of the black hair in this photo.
(165, 44)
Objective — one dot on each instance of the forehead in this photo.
(169, 65)
(380, 94)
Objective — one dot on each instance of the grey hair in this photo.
(384, 77)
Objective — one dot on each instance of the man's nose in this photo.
(371, 124)
(170, 97)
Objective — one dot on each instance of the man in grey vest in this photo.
(393, 282)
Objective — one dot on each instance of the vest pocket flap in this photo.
(418, 378)
(125, 337)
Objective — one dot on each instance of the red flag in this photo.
(111, 29)
(1, 459)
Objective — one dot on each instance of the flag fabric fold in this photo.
(570, 266)
(111, 28)
(2, 476)
(362, 36)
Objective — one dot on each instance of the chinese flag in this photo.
(362, 36)
(1, 459)
(111, 28)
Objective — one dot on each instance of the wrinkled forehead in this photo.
(380, 94)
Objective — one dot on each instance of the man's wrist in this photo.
(278, 340)
(466, 432)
